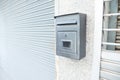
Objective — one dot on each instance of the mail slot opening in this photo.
(66, 44)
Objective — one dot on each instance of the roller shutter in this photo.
(29, 39)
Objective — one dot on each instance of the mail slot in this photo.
(71, 35)
(66, 44)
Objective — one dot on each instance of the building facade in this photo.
(28, 40)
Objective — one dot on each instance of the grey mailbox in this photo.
(71, 35)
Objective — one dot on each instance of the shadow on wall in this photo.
(4, 75)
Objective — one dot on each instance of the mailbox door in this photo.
(66, 43)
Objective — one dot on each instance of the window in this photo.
(111, 25)
(106, 62)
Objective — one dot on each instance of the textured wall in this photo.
(68, 69)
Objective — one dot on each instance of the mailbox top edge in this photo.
(68, 14)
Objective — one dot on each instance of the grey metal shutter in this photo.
(29, 36)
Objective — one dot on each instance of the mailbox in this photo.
(71, 35)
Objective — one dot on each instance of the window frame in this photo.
(97, 39)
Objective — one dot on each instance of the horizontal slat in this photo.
(111, 29)
(34, 28)
(117, 48)
(39, 15)
(39, 22)
(33, 25)
(3, 2)
(112, 44)
(27, 25)
(117, 37)
(118, 33)
(118, 41)
(33, 34)
(118, 22)
(7, 4)
(30, 27)
(110, 66)
(112, 14)
(109, 76)
(51, 31)
(44, 9)
(36, 12)
(30, 5)
(118, 17)
(111, 55)
(16, 4)
(35, 39)
(46, 58)
(36, 47)
(107, 0)
(35, 8)
(103, 79)
(37, 18)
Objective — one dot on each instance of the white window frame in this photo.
(97, 39)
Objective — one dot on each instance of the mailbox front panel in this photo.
(66, 43)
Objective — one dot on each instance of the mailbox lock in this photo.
(65, 35)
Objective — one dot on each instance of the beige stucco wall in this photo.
(68, 69)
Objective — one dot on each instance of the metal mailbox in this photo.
(71, 35)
